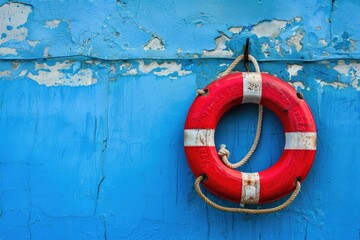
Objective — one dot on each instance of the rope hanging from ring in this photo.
(292, 197)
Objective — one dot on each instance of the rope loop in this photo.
(224, 154)
(237, 60)
(292, 197)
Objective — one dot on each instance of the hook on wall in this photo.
(246, 54)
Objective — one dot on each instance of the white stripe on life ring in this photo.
(252, 85)
(300, 140)
(250, 193)
(199, 137)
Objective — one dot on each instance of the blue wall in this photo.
(94, 95)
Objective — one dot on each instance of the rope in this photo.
(237, 60)
(246, 210)
(231, 67)
(224, 154)
(200, 92)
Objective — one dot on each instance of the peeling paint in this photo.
(351, 70)
(270, 29)
(7, 51)
(323, 42)
(13, 16)
(336, 85)
(293, 69)
(299, 85)
(155, 44)
(221, 50)
(236, 30)
(129, 69)
(52, 23)
(46, 52)
(32, 43)
(265, 49)
(166, 68)
(295, 40)
(62, 74)
(5, 73)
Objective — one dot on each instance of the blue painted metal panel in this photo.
(94, 95)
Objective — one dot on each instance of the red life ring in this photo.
(295, 116)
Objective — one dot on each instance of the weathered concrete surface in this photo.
(93, 97)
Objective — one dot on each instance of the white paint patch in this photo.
(129, 70)
(252, 85)
(336, 85)
(323, 42)
(13, 16)
(52, 23)
(32, 43)
(155, 44)
(295, 40)
(59, 75)
(298, 19)
(5, 73)
(293, 69)
(7, 51)
(235, 30)
(46, 52)
(163, 69)
(351, 70)
(300, 140)
(298, 85)
(250, 193)
(343, 68)
(112, 69)
(278, 47)
(23, 73)
(265, 49)
(270, 29)
(220, 48)
(199, 137)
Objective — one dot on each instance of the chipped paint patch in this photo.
(221, 50)
(299, 85)
(7, 51)
(293, 69)
(163, 69)
(32, 43)
(343, 68)
(46, 52)
(127, 67)
(5, 73)
(351, 70)
(270, 29)
(265, 48)
(52, 23)
(235, 30)
(155, 44)
(323, 42)
(336, 85)
(13, 16)
(62, 74)
(295, 40)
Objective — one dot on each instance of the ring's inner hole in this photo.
(237, 129)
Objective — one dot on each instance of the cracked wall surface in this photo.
(93, 99)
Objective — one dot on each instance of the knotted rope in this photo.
(246, 210)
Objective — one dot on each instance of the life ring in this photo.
(300, 137)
